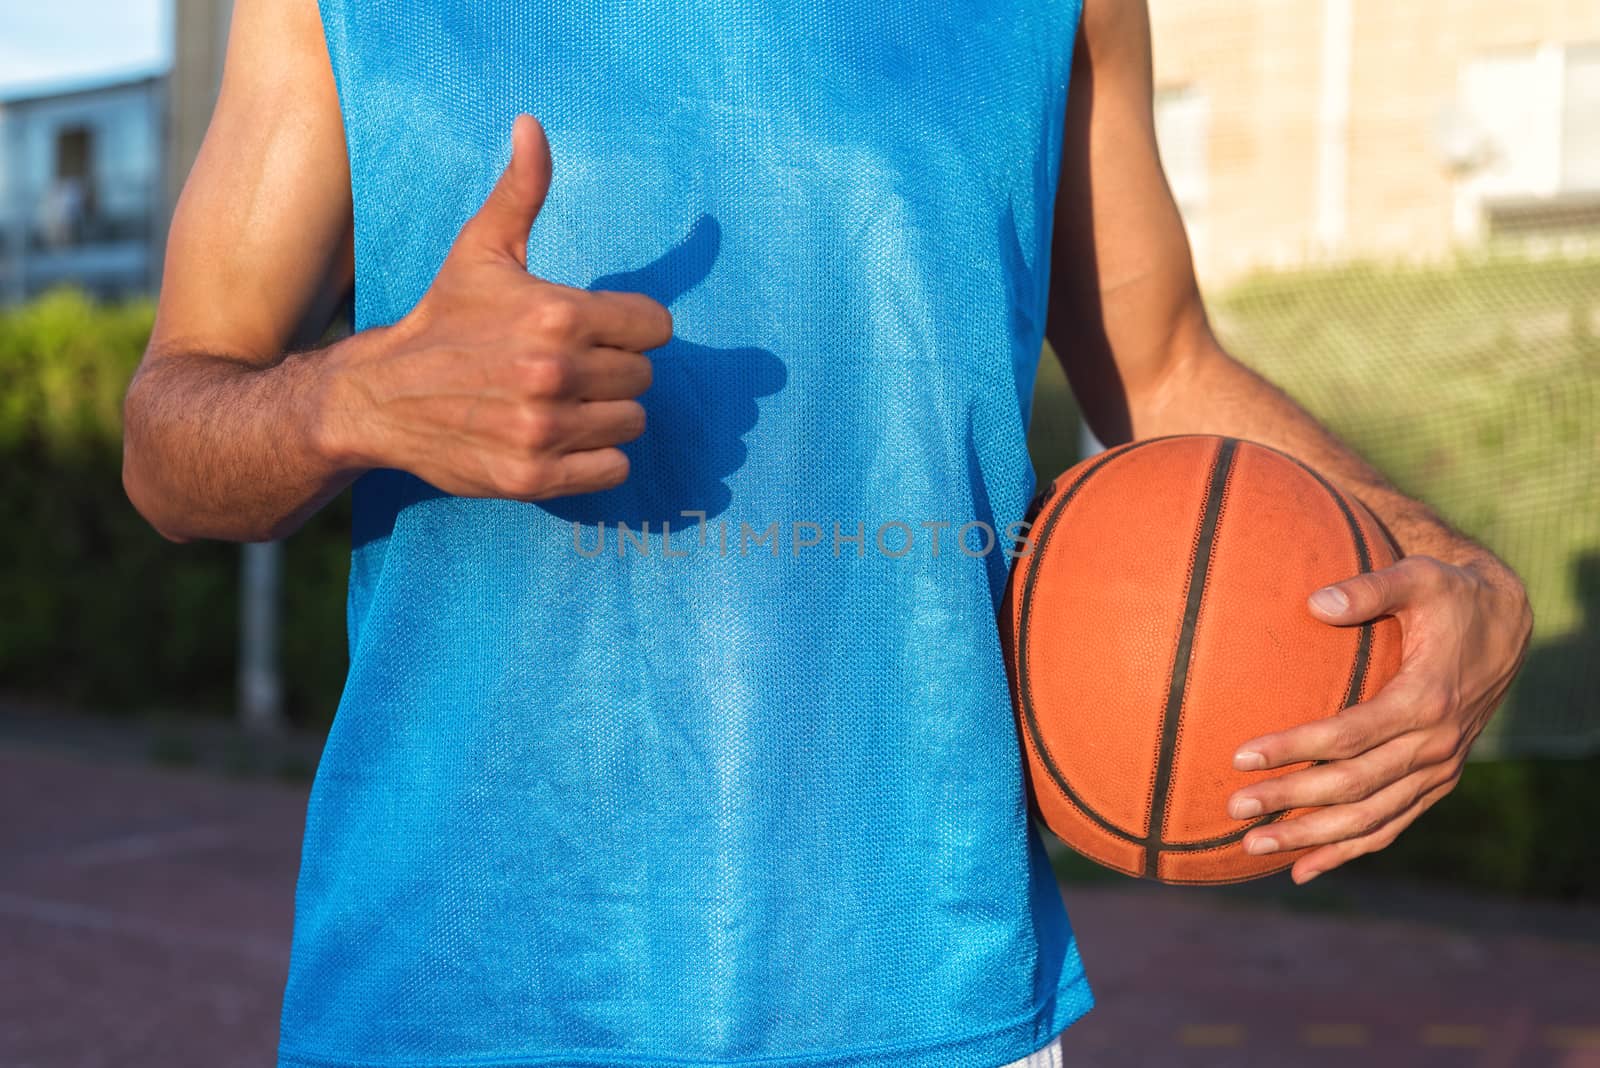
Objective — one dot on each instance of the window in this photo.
(74, 149)
(1580, 131)
(1534, 115)
(68, 207)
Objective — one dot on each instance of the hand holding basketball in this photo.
(1161, 613)
(1390, 758)
(500, 384)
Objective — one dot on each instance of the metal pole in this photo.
(260, 683)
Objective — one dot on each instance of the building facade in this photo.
(89, 175)
(82, 189)
(1293, 131)
(1304, 131)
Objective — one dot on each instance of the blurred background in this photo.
(1395, 212)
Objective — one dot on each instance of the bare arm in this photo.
(1127, 320)
(1126, 314)
(221, 427)
(497, 384)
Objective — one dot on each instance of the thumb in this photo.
(502, 224)
(1367, 596)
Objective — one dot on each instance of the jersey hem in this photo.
(986, 1049)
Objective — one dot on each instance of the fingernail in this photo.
(1244, 808)
(1308, 876)
(1257, 846)
(1249, 760)
(1330, 600)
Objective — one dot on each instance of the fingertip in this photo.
(528, 141)
(618, 467)
(1303, 876)
(1259, 845)
(523, 127)
(1244, 808)
(655, 318)
(1330, 601)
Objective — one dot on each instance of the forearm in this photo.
(1209, 392)
(216, 447)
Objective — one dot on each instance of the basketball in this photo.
(1156, 619)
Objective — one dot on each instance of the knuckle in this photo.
(1347, 738)
(524, 478)
(547, 376)
(1416, 565)
(1348, 784)
(1435, 701)
(1436, 747)
(1427, 572)
(1443, 780)
(1368, 820)
(1373, 586)
(536, 428)
(558, 319)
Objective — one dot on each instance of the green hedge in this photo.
(100, 610)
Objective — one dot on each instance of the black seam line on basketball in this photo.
(1221, 840)
(1230, 882)
(1358, 670)
(1024, 696)
(1199, 571)
(1041, 500)
(1041, 504)
(1053, 513)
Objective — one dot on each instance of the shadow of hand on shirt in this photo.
(697, 411)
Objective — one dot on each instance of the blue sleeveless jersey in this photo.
(717, 767)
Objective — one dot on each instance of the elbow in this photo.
(143, 485)
(147, 504)
(145, 498)
(1164, 398)
(139, 483)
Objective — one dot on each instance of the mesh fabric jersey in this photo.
(739, 783)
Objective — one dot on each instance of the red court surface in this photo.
(145, 913)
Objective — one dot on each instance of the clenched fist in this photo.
(500, 384)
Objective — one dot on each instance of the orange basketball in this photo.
(1158, 620)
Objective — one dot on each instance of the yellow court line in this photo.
(1456, 1036)
(1211, 1036)
(1573, 1037)
(1335, 1034)
(1453, 1036)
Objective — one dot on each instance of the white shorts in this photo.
(1049, 1057)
